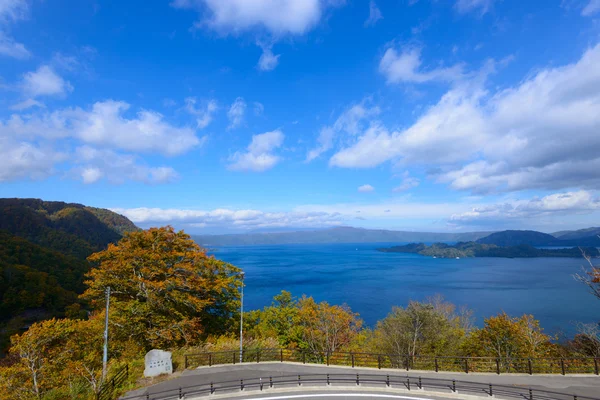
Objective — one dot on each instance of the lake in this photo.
(372, 282)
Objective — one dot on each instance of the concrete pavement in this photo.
(581, 385)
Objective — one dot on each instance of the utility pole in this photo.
(242, 322)
(105, 355)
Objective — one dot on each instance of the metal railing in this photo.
(424, 363)
(345, 381)
(107, 390)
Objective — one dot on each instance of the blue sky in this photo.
(231, 116)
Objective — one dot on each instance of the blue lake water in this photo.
(372, 282)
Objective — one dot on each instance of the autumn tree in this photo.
(40, 356)
(591, 275)
(506, 337)
(326, 328)
(165, 289)
(586, 342)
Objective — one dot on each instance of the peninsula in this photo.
(473, 249)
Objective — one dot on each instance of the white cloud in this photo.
(274, 18)
(402, 210)
(236, 113)
(374, 14)
(404, 67)
(591, 8)
(268, 61)
(465, 6)
(558, 204)
(106, 125)
(351, 121)
(25, 104)
(204, 115)
(408, 182)
(227, 218)
(22, 159)
(366, 188)
(44, 82)
(91, 175)
(540, 134)
(10, 48)
(259, 155)
(94, 164)
(13, 10)
(259, 108)
(277, 17)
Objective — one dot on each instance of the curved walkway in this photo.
(580, 385)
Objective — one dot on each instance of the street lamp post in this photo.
(242, 321)
(105, 352)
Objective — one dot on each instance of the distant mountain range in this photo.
(581, 233)
(533, 238)
(334, 235)
(583, 237)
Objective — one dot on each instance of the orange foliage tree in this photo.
(326, 328)
(506, 337)
(165, 290)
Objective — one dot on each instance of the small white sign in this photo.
(158, 362)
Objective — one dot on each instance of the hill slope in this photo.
(533, 238)
(334, 235)
(65, 227)
(515, 238)
(578, 234)
(43, 251)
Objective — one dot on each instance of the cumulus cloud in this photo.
(259, 155)
(277, 17)
(104, 124)
(541, 134)
(404, 67)
(366, 188)
(204, 115)
(480, 6)
(558, 204)
(236, 113)
(351, 121)
(44, 82)
(241, 219)
(591, 8)
(374, 14)
(94, 164)
(268, 61)
(21, 159)
(273, 18)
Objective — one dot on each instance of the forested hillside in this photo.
(43, 251)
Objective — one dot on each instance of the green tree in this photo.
(165, 290)
(279, 320)
(428, 328)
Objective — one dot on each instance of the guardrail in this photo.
(107, 390)
(425, 363)
(372, 381)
